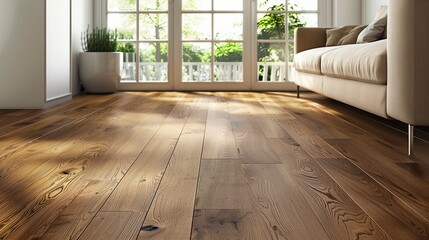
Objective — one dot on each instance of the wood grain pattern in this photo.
(252, 144)
(276, 110)
(310, 142)
(420, 170)
(265, 121)
(173, 204)
(114, 225)
(219, 140)
(67, 110)
(340, 216)
(9, 141)
(70, 165)
(71, 223)
(39, 204)
(47, 146)
(222, 185)
(281, 203)
(126, 144)
(137, 188)
(318, 121)
(414, 191)
(14, 116)
(392, 214)
(231, 224)
(209, 165)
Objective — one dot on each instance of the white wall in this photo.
(57, 49)
(370, 8)
(22, 51)
(82, 16)
(347, 12)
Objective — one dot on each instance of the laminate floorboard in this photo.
(173, 204)
(209, 165)
(114, 225)
(252, 144)
(340, 216)
(386, 209)
(219, 140)
(71, 223)
(222, 185)
(229, 224)
(281, 203)
(414, 191)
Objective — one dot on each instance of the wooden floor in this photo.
(209, 166)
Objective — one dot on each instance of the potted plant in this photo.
(99, 65)
(128, 50)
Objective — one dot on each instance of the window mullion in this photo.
(138, 40)
(212, 44)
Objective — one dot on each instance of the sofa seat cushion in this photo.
(309, 61)
(361, 62)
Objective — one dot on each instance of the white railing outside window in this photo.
(225, 71)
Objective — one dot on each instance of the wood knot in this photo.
(149, 228)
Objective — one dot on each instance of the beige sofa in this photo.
(389, 78)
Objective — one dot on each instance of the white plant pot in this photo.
(100, 72)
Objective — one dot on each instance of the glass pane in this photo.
(128, 73)
(296, 20)
(231, 5)
(228, 26)
(291, 49)
(196, 62)
(310, 19)
(121, 5)
(154, 26)
(271, 26)
(153, 62)
(197, 4)
(196, 26)
(297, 5)
(228, 65)
(271, 62)
(125, 23)
(271, 5)
(153, 5)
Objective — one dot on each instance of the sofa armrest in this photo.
(408, 61)
(308, 38)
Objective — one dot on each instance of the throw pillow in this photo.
(351, 36)
(375, 30)
(382, 11)
(343, 35)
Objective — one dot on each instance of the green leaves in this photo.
(99, 40)
(125, 47)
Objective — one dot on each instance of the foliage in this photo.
(229, 52)
(272, 26)
(126, 34)
(193, 53)
(158, 52)
(125, 48)
(99, 40)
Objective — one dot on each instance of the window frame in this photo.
(250, 68)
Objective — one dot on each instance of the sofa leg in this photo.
(297, 91)
(410, 140)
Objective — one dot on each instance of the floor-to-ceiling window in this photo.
(208, 44)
